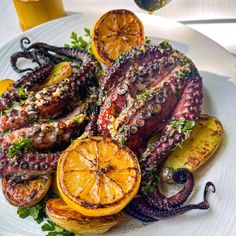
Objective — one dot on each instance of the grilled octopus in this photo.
(144, 93)
(48, 117)
(147, 92)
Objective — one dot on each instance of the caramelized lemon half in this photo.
(97, 176)
(115, 32)
(5, 85)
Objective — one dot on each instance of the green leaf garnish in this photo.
(181, 126)
(55, 230)
(151, 178)
(37, 212)
(5, 112)
(78, 118)
(17, 147)
(80, 43)
(22, 94)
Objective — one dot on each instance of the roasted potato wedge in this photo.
(26, 193)
(60, 71)
(67, 218)
(203, 142)
(5, 84)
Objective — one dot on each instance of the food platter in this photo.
(217, 68)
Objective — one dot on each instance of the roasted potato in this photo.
(203, 142)
(59, 72)
(71, 220)
(26, 193)
(5, 84)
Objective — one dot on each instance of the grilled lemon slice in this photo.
(67, 218)
(97, 176)
(114, 33)
(5, 84)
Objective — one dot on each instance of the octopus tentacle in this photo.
(47, 135)
(91, 128)
(85, 58)
(136, 57)
(157, 200)
(143, 207)
(130, 210)
(14, 58)
(49, 103)
(39, 56)
(29, 82)
(30, 163)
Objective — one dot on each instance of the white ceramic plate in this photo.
(217, 68)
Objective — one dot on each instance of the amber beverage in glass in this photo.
(35, 12)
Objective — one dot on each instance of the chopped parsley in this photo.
(23, 95)
(17, 147)
(5, 112)
(78, 118)
(181, 126)
(37, 212)
(55, 230)
(151, 179)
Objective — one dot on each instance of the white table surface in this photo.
(214, 18)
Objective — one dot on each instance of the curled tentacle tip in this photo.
(24, 40)
(181, 175)
(208, 185)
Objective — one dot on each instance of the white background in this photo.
(195, 12)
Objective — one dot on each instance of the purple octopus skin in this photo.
(29, 82)
(46, 135)
(51, 102)
(156, 87)
(28, 164)
(76, 54)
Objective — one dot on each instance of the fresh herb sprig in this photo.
(17, 147)
(80, 43)
(181, 126)
(151, 179)
(37, 212)
(23, 95)
(55, 230)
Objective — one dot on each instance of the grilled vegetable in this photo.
(26, 193)
(71, 220)
(59, 72)
(203, 142)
